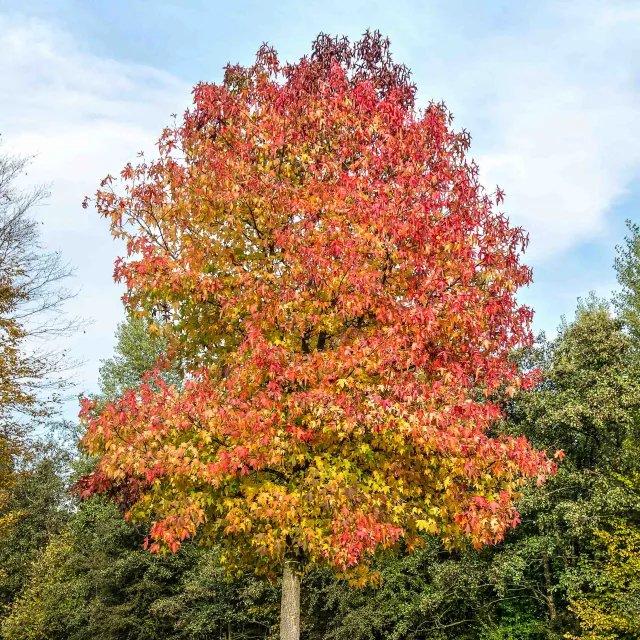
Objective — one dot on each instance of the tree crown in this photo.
(341, 292)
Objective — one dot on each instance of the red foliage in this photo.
(342, 292)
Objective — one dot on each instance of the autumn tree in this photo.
(32, 298)
(341, 293)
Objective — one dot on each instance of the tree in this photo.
(39, 497)
(137, 351)
(605, 597)
(627, 265)
(587, 403)
(611, 609)
(588, 399)
(428, 594)
(32, 297)
(341, 293)
(32, 617)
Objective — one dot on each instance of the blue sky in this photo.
(550, 92)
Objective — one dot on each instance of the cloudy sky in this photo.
(550, 92)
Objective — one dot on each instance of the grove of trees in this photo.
(326, 415)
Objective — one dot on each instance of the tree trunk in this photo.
(547, 579)
(290, 602)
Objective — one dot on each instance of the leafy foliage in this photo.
(586, 403)
(137, 351)
(47, 606)
(612, 609)
(94, 581)
(627, 266)
(32, 297)
(341, 292)
(39, 499)
(306, 286)
(82, 573)
(581, 524)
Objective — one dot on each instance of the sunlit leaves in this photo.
(341, 292)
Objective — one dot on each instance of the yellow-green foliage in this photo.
(612, 610)
(32, 617)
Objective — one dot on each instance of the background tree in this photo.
(587, 404)
(606, 598)
(137, 351)
(627, 267)
(341, 293)
(32, 297)
(39, 498)
(610, 608)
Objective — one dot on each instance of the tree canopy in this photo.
(342, 294)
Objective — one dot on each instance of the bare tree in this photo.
(33, 372)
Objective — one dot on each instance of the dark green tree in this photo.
(40, 501)
(587, 404)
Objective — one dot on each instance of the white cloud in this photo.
(554, 117)
(565, 160)
(83, 117)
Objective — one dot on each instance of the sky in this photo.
(550, 92)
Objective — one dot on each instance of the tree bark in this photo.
(290, 602)
(547, 579)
